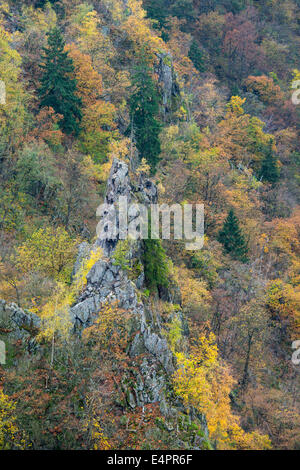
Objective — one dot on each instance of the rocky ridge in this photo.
(108, 284)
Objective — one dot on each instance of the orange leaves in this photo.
(265, 87)
(98, 115)
(47, 127)
(89, 82)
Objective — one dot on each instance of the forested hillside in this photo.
(146, 344)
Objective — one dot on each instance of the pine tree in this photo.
(42, 3)
(58, 88)
(155, 264)
(233, 239)
(144, 110)
(159, 11)
(269, 169)
(196, 56)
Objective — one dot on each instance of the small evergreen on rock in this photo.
(233, 239)
(58, 88)
(155, 264)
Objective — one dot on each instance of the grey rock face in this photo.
(21, 318)
(107, 283)
(153, 361)
(83, 253)
(97, 273)
(118, 185)
(167, 79)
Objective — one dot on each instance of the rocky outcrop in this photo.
(147, 381)
(108, 283)
(22, 319)
(168, 81)
(17, 325)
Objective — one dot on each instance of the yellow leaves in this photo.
(97, 129)
(263, 243)
(284, 300)
(88, 28)
(12, 113)
(266, 89)
(247, 441)
(10, 61)
(240, 136)
(284, 244)
(195, 294)
(116, 8)
(9, 431)
(240, 201)
(55, 314)
(235, 105)
(80, 278)
(296, 75)
(139, 29)
(98, 115)
(100, 441)
(120, 149)
(92, 170)
(40, 19)
(85, 28)
(196, 381)
(285, 238)
(92, 425)
(131, 18)
(204, 383)
(4, 7)
(174, 333)
(143, 168)
(51, 251)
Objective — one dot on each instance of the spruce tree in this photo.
(144, 111)
(155, 264)
(233, 239)
(58, 88)
(197, 57)
(269, 168)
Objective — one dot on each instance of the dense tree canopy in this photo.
(195, 95)
(58, 89)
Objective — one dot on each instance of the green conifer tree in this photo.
(269, 168)
(155, 264)
(57, 86)
(197, 57)
(233, 239)
(144, 111)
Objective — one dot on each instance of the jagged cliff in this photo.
(148, 380)
(108, 283)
